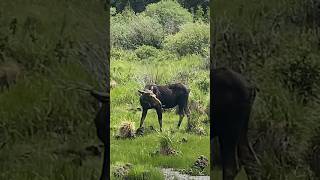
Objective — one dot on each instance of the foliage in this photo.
(119, 54)
(135, 5)
(150, 53)
(166, 144)
(169, 14)
(130, 31)
(300, 72)
(146, 52)
(192, 39)
(140, 5)
(200, 15)
(194, 4)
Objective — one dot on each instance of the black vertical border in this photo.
(107, 11)
(212, 66)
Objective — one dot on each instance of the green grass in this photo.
(39, 123)
(47, 158)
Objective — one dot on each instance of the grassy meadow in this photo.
(46, 124)
(163, 44)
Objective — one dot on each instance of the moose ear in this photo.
(154, 89)
(100, 96)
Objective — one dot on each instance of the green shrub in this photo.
(113, 11)
(166, 146)
(121, 54)
(200, 15)
(165, 55)
(194, 4)
(193, 38)
(170, 14)
(146, 52)
(130, 31)
(203, 83)
(135, 5)
(151, 53)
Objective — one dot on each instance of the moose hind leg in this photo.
(180, 111)
(181, 116)
(159, 113)
(249, 159)
(228, 148)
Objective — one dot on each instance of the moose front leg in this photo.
(143, 117)
(159, 113)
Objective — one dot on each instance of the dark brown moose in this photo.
(167, 96)
(231, 104)
(101, 120)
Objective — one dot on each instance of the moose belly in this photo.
(168, 106)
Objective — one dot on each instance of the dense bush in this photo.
(121, 54)
(140, 5)
(194, 4)
(130, 31)
(169, 14)
(193, 38)
(146, 52)
(113, 11)
(135, 5)
(151, 53)
(200, 15)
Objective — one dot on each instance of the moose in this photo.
(164, 97)
(101, 121)
(231, 106)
